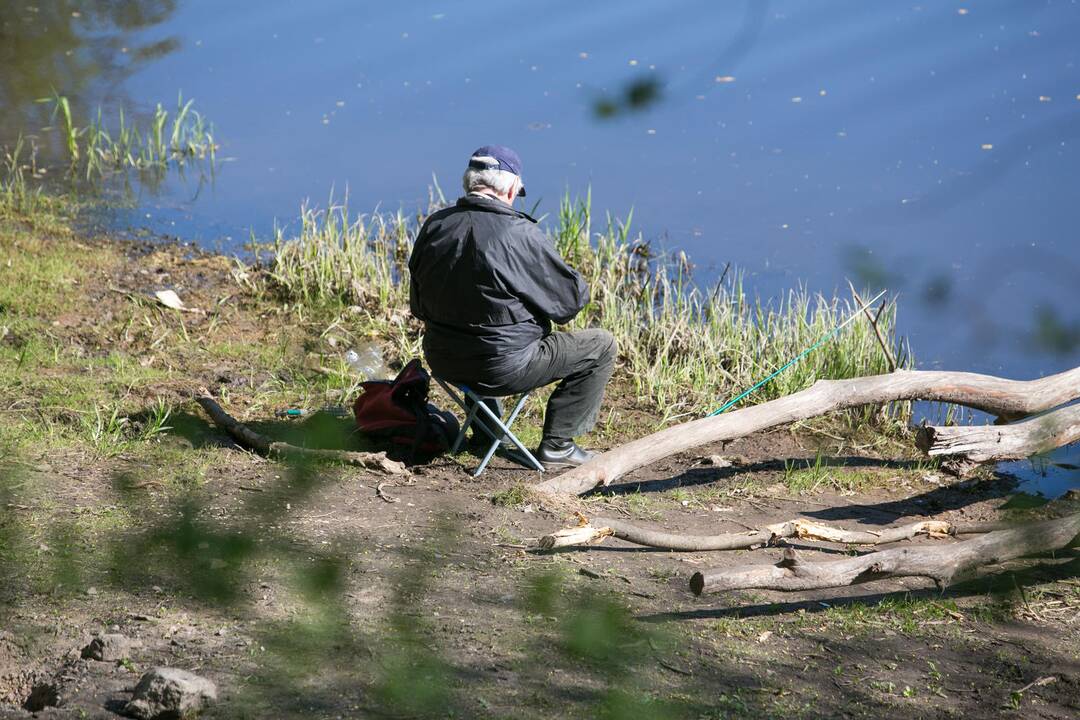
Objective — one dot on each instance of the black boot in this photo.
(555, 454)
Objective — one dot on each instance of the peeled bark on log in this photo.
(994, 395)
(598, 528)
(260, 443)
(939, 563)
(1003, 442)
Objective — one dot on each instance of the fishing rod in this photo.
(801, 355)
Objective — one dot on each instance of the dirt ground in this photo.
(330, 592)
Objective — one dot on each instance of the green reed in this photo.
(14, 193)
(17, 194)
(70, 133)
(685, 348)
(169, 139)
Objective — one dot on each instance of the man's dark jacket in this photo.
(488, 284)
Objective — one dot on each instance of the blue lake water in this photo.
(931, 149)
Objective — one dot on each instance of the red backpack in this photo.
(399, 411)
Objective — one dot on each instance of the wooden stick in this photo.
(994, 395)
(597, 529)
(260, 443)
(986, 443)
(941, 563)
(383, 495)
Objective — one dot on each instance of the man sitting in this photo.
(488, 285)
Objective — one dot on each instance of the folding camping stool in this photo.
(480, 407)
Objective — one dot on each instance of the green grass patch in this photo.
(911, 615)
(514, 496)
(59, 400)
(822, 474)
(40, 277)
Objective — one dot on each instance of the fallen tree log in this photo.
(989, 443)
(260, 443)
(940, 563)
(595, 530)
(998, 396)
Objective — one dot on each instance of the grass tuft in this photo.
(514, 496)
(19, 199)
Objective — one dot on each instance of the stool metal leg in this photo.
(537, 465)
(497, 440)
(472, 419)
(469, 417)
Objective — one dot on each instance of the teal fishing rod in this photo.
(821, 341)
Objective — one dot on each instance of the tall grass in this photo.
(336, 257)
(15, 193)
(23, 198)
(169, 139)
(688, 349)
(685, 348)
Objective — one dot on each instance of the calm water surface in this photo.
(928, 148)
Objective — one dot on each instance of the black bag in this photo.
(399, 411)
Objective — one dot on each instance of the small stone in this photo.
(165, 692)
(91, 591)
(112, 647)
(716, 461)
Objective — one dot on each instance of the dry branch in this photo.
(260, 443)
(1003, 442)
(889, 357)
(940, 563)
(998, 396)
(598, 528)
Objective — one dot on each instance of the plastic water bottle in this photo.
(367, 362)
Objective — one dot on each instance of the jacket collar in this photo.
(476, 201)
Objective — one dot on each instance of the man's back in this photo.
(487, 284)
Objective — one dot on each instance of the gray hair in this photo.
(500, 181)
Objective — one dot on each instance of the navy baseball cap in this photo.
(497, 157)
